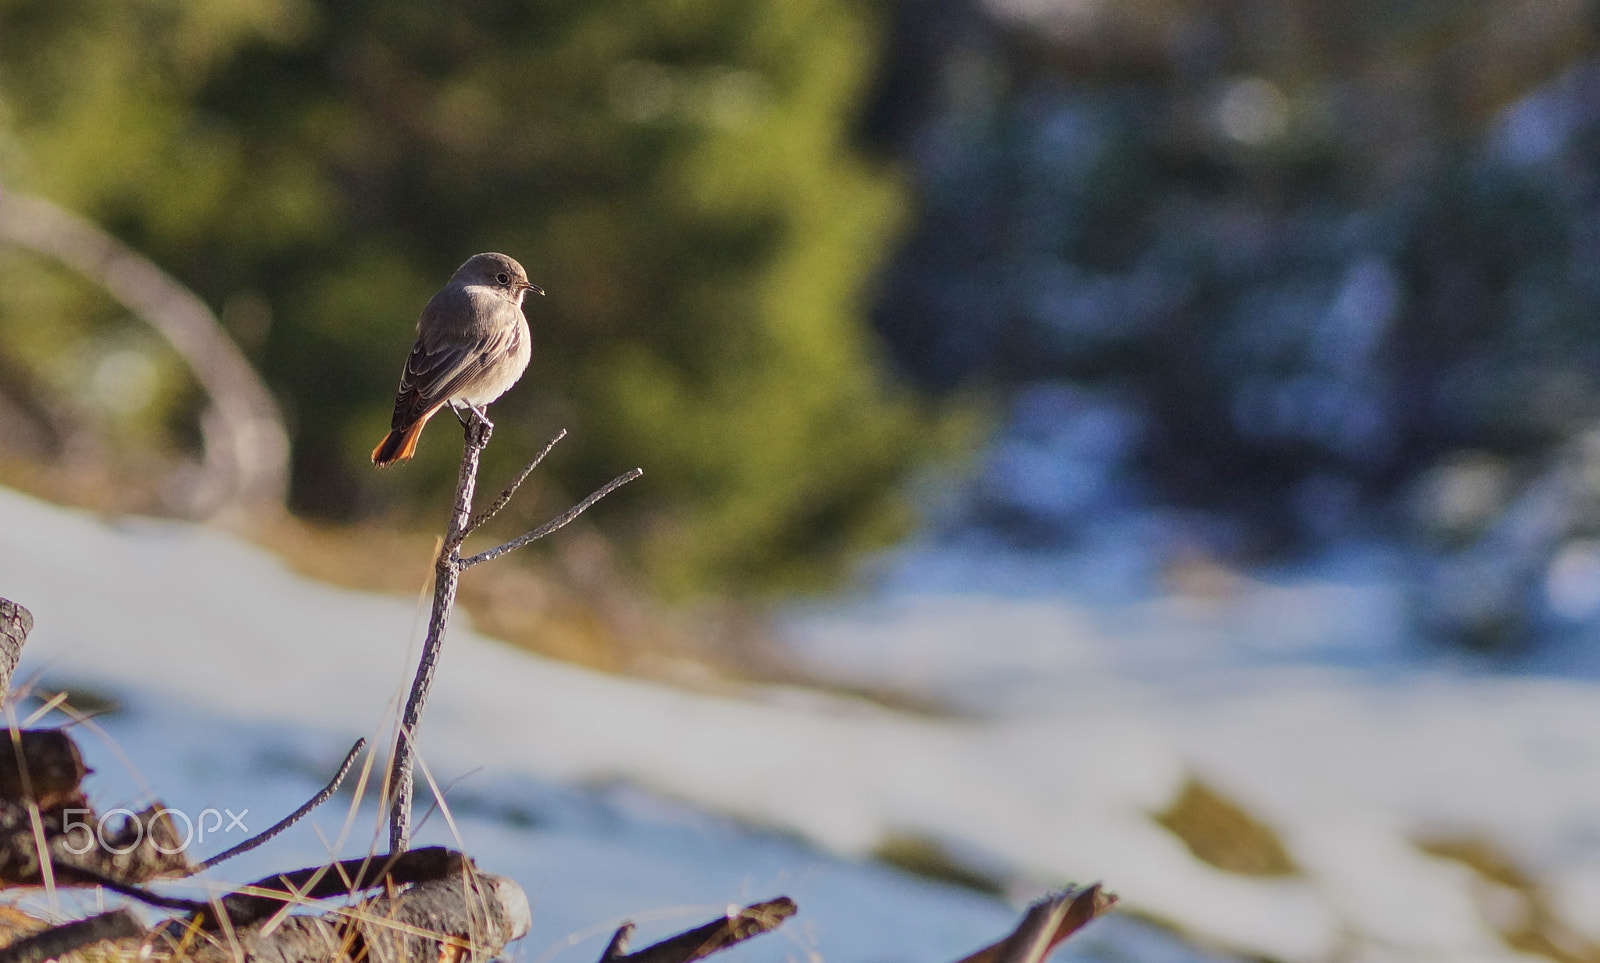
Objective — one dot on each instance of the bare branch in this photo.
(447, 576)
(739, 925)
(266, 896)
(294, 817)
(246, 444)
(511, 489)
(553, 524)
(60, 940)
(469, 916)
(472, 914)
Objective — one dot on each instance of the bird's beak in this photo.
(536, 289)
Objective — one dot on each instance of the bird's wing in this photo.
(437, 372)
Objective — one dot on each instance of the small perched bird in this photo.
(472, 345)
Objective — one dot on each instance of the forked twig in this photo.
(554, 524)
(294, 817)
(511, 489)
(447, 576)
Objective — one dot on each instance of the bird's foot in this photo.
(479, 427)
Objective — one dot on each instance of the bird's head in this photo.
(498, 273)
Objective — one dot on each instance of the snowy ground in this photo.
(1086, 709)
(1301, 696)
(242, 684)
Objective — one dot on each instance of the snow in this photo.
(1084, 706)
(242, 684)
(1300, 697)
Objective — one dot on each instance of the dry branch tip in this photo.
(321, 797)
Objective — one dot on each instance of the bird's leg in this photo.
(457, 412)
(480, 425)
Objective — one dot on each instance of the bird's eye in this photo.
(503, 278)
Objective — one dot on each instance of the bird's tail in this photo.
(401, 443)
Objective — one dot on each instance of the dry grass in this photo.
(566, 599)
(1512, 901)
(570, 600)
(921, 856)
(375, 915)
(1223, 833)
(16, 923)
(84, 481)
(578, 610)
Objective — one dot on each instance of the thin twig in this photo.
(553, 524)
(294, 817)
(511, 489)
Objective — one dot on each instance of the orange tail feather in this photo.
(401, 443)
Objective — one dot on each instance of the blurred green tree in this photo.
(678, 175)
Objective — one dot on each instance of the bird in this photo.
(472, 345)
